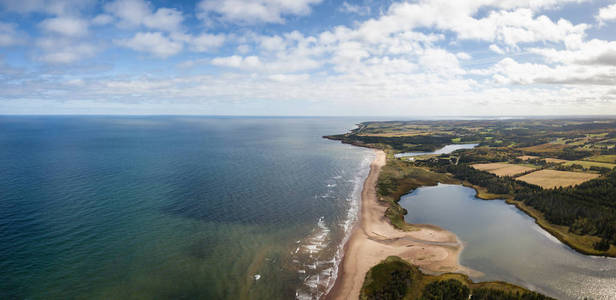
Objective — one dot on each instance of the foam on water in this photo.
(320, 258)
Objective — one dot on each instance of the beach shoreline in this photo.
(373, 239)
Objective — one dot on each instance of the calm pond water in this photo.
(506, 244)
(445, 150)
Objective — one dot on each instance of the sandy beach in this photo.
(433, 249)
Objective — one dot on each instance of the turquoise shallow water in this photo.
(173, 207)
(506, 244)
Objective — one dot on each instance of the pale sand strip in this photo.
(373, 239)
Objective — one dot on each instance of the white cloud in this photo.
(289, 77)
(55, 7)
(206, 42)
(139, 13)
(510, 71)
(496, 49)
(508, 26)
(135, 13)
(235, 61)
(64, 51)
(440, 61)
(167, 19)
(593, 52)
(9, 35)
(253, 11)
(412, 57)
(153, 42)
(463, 55)
(68, 26)
(131, 12)
(102, 19)
(355, 9)
(607, 13)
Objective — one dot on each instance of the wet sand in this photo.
(430, 247)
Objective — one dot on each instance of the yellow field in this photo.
(555, 160)
(503, 169)
(549, 147)
(548, 179)
(549, 160)
(527, 157)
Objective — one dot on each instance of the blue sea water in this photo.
(105, 207)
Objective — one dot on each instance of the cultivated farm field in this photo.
(503, 169)
(548, 179)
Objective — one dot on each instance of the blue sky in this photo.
(308, 57)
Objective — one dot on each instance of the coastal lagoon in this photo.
(445, 150)
(505, 244)
(110, 207)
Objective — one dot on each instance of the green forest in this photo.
(394, 278)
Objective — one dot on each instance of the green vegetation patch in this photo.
(394, 279)
(391, 279)
(446, 289)
(589, 164)
(603, 158)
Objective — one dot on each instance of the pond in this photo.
(506, 244)
(445, 150)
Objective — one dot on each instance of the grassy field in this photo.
(503, 169)
(587, 164)
(548, 179)
(602, 158)
(544, 148)
(395, 278)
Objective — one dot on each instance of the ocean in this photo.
(108, 207)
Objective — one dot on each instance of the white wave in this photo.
(351, 218)
(321, 282)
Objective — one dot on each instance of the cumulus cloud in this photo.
(9, 35)
(412, 55)
(55, 7)
(139, 13)
(346, 7)
(205, 42)
(593, 52)
(152, 42)
(236, 61)
(102, 19)
(64, 51)
(496, 49)
(68, 26)
(509, 71)
(253, 11)
(510, 27)
(607, 14)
